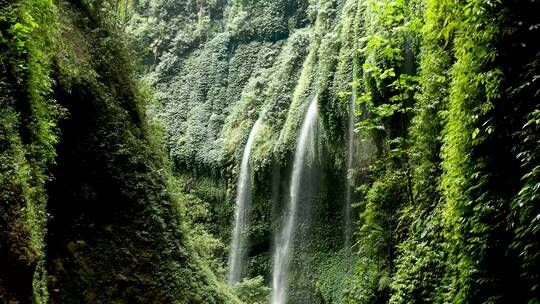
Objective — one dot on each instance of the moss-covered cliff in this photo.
(90, 213)
(440, 103)
(123, 124)
(218, 67)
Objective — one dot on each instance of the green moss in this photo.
(433, 99)
(268, 60)
(28, 135)
(120, 234)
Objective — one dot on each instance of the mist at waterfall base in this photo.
(239, 241)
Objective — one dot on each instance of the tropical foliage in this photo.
(123, 124)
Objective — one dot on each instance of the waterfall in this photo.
(350, 159)
(282, 256)
(238, 248)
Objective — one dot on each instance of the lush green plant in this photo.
(454, 124)
(28, 135)
(457, 156)
(253, 291)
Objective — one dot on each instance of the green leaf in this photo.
(475, 133)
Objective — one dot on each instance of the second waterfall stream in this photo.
(239, 241)
(305, 149)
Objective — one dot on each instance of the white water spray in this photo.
(350, 159)
(282, 256)
(238, 253)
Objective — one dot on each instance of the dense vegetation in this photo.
(90, 213)
(122, 125)
(454, 190)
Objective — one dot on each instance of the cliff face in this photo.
(442, 166)
(438, 110)
(28, 134)
(87, 200)
(218, 66)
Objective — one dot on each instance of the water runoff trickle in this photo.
(239, 241)
(305, 152)
(350, 161)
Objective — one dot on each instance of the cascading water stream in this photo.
(350, 159)
(282, 255)
(238, 252)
